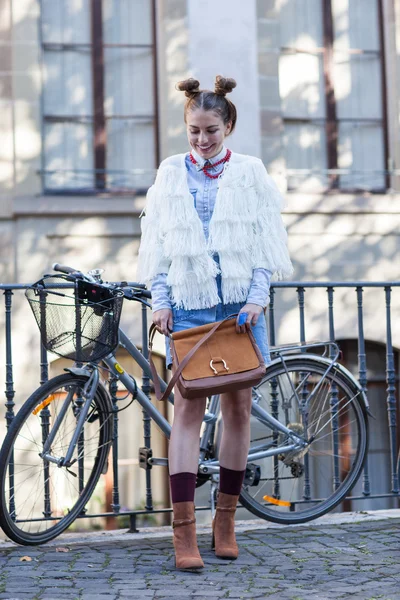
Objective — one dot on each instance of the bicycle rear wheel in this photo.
(295, 487)
(39, 499)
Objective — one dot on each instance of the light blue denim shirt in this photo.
(204, 192)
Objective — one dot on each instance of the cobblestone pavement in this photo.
(359, 560)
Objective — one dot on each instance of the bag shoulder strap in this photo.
(183, 364)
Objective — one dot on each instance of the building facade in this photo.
(89, 108)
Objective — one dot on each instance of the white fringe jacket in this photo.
(246, 230)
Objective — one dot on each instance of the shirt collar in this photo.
(201, 161)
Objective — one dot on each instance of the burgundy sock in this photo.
(183, 486)
(230, 481)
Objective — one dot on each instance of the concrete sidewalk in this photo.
(338, 556)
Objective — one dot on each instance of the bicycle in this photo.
(309, 423)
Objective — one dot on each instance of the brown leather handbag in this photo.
(210, 359)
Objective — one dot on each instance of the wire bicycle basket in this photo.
(77, 319)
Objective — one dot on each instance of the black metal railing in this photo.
(364, 490)
(361, 372)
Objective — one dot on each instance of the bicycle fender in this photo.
(82, 372)
(364, 397)
(77, 371)
(345, 372)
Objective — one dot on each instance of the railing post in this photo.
(304, 392)
(146, 418)
(10, 393)
(45, 425)
(271, 314)
(115, 495)
(45, 422)
(44, 365)
(274, 392)
(300, 297)
(334, 398)
(362, 370)
(391, 394)
(330, 292)
(79, 402)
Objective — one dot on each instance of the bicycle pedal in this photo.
(252, 474)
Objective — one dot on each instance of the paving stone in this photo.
(99, 596)
(55, 594)
(16, 589)
(137, 596)
(58, 595)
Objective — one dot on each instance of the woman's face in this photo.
(206, 131)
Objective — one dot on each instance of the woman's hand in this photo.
(253, 312)
(163, 319)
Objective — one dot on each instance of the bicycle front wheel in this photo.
(40, 499)
(328, 411)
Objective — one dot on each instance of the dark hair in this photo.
(208, 100)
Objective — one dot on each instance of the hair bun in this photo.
(224, 85)
(189, 86)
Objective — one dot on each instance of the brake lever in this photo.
(131, 294)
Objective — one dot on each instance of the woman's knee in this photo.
(189, 412)
(236, 406)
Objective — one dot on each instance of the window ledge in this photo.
(299, 203)
(77, 205)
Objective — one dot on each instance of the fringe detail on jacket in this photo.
(246, 230)
(193, 282)
(192, 297)
(201, 267)
(235, 290)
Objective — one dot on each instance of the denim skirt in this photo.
(184, 319)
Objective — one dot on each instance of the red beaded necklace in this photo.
(210, 166)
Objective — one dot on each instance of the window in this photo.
(357, 81)
(302, 93)
(331, 88)
(99, 95)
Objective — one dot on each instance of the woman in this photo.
(212, 237)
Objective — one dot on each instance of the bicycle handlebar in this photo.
(63, 268)
(132, 291)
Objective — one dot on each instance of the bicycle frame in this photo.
(205, 466)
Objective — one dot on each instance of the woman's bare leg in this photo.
(185, 435)
(235, 442)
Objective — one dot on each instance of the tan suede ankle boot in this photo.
(223, 527)
(187, 554)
